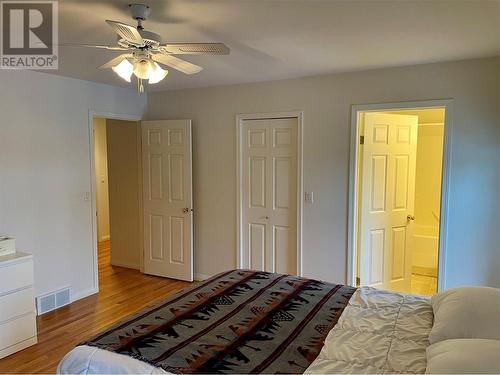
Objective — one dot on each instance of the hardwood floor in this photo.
(122, 293)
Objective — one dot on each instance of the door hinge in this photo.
(362, 140)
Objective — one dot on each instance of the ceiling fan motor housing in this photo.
(140, 11)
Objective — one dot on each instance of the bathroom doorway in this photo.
(398, 200)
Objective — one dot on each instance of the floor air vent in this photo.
(52, 301)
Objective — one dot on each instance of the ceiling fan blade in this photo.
(115, 61)
(176, 63)
(109, 48)
(127, 32)
(195, 48)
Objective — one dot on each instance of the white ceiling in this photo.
(277, 39)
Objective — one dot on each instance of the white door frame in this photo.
(299, 115)
(111, 116)
(352, 227)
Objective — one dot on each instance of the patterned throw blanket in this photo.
(236, 322)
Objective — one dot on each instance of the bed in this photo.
(245, 321)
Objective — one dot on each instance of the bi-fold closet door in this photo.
(269, 194)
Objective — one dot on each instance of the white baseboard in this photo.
(125, 264)
(83, 294)
(88, 292)
(200, 276)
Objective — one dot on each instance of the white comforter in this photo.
(378, 332)
(86, 359)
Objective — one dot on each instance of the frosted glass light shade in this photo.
(145, 69)
(142, 69)
(157, 74)
(124, 69)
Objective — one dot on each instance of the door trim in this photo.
(352, 227)
(299, 115)
(112, 116)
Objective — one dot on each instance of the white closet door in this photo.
(167, 198)
(270, 195)
(387, 199)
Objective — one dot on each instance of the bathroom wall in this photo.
(428, 195)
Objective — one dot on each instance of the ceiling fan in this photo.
(147, 55)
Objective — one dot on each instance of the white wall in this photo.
(101, 178)
(473, 254)
(45, 170)
(45, 163)
(124, 192)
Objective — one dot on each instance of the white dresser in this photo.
(17, 303)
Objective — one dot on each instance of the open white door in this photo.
(167, 198)
(387, 200)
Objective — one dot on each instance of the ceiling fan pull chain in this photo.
(140, 87)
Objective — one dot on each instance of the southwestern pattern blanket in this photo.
(239, 321)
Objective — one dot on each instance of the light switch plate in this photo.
(309, 197)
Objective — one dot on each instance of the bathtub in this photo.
(424, 247)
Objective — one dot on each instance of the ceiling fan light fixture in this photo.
(142, 68)
(146, 53)
(157, 74)
(124, 69)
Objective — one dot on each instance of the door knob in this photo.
(410, 217)
(185, 210)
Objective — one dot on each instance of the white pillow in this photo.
(470, 312)
(464, 356)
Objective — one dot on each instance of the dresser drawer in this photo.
(17, 303)
(17, 330)
(15, 276)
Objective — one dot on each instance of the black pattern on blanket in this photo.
(240, 321)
